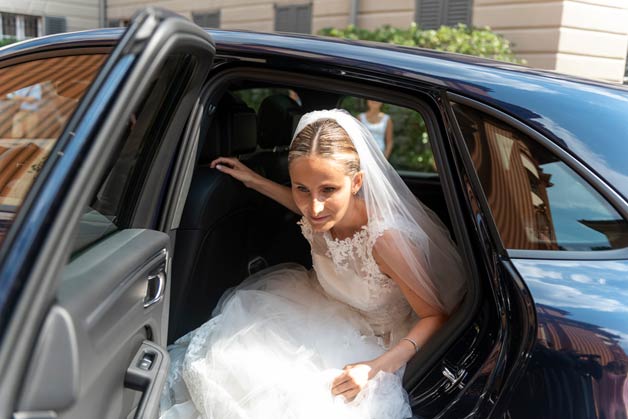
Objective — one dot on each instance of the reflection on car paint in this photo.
(579, 364)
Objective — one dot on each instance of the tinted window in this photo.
(537, 201)
(113, 205)
(36, 100)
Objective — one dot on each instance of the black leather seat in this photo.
(277, 118)
(216, 238)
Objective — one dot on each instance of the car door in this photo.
(84, 267)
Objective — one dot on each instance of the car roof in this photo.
(586, 118)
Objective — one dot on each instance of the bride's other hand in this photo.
(352, 380)
(235, 168)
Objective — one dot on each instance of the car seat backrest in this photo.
(212, 244)
(277, 119)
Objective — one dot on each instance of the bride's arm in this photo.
(273, 190)
(392, 263)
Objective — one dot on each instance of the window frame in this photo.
(613, 198)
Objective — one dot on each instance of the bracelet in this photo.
(416, 347)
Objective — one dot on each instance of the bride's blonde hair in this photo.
(327, 139)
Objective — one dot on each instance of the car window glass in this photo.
(112, 206)
(37, 99)
(254, 97)
(410, 151)
(537, 201)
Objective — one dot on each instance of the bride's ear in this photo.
(356, 183)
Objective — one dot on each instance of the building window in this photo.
(30, 26)
(207, 20)
(294, 18)
(432, 14)
(9, 25)
(55, 25)
(118, 23)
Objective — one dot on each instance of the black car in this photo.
(117, 238)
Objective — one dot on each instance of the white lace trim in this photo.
(354, 252)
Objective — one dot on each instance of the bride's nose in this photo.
(317, 206)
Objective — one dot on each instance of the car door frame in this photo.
(38, 244)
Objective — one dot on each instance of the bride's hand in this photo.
(236, 169)
(353, 379)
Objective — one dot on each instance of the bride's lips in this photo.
(319, 219)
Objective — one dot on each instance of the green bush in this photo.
(7, 41)
(481, 42)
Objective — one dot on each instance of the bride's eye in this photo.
(302, 189)
(329, 189)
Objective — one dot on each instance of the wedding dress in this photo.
(277, 341)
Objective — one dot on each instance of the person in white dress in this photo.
(333, 341)
(380, 124)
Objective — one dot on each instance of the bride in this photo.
(331, 342)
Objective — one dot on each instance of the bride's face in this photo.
(322, 190)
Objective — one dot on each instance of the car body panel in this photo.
(579, 363)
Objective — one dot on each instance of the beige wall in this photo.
(582, 37)
(260, 14)
(80, 14)
(586, 38)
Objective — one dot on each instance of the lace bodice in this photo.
(347, 271)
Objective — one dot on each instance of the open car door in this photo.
(84, 269)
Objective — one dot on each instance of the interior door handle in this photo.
(148, 373)
(155, 288)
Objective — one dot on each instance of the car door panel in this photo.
(95, 329)
(97, 325)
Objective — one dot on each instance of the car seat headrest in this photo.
(277, 119)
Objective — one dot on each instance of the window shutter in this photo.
(428, 13)
(458, 11)
(304, 19)
(55, 25)
(284, 18)
(294, 18)
(207, 20)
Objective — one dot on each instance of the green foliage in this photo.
(411, 149)
(481, 42)
(7, 41)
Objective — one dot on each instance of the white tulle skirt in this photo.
(272, 350)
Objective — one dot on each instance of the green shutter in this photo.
(428, 13)
(55, 25)
(458, 11)
(294, 18)
(431, 14)
(207, 20)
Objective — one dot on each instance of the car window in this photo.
(113, 204)
(410, 150)
(37, 99)
(537, 201)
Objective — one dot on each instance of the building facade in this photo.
(586, 38)
(30, 19)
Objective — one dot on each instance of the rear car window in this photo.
(410, 152)
(537, 201)
(37, 99)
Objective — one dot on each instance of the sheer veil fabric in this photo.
(432, 266)
(275, 343)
